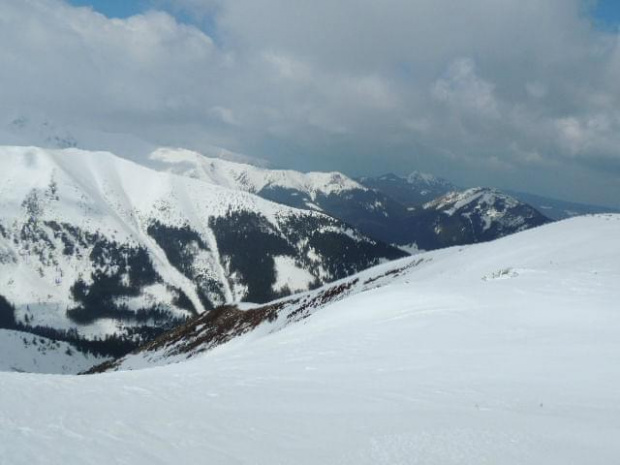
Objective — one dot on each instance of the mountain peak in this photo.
(93, 245)
(482, 195)
(488, 210)
(249, 178)
(419, 178)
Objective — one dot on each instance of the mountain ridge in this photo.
(94, 243)
(368, 208)
(499, 261)
(411, 190)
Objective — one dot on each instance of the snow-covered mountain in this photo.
(502, 352)
(94, 246)
(307, 187)
(464, 217)
(471, 216)
(206, 332)
(418, 188)
(335, 194)
(373, 212)
(413, 190)
(442, 215)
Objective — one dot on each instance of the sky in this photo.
(608, 11)
(115, 8)
(516, 94)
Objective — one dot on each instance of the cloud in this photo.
(515, 93)
(593, 134)
(73, 61)
(462, 89)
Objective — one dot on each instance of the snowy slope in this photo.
(474, 215)
(369, 211)
(490, 207)
(244, 177)
(26, 352)
(455, 201)
(500, 260)
(94, 243)
(443, 215)
(503, 352)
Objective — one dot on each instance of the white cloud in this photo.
(287, 67)
(461, 88)
(597, 133)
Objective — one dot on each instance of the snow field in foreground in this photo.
(505, 352)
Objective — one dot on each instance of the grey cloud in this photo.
(514, 93)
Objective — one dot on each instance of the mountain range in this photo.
(417, 188)
(528, 260)
(236, 329)
(471, 216)
(102, 252)
(411, 190)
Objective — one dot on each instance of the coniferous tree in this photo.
(7, 314)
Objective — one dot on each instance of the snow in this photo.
(240, 176)
(455, 201)
(437, 364)
(291, 276)
(427, 183)
(483, 202)
(417, 177)
(411, 249)
(100, 193)
(24, 352)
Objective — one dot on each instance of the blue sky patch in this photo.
(115, 8)
(607, 12)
